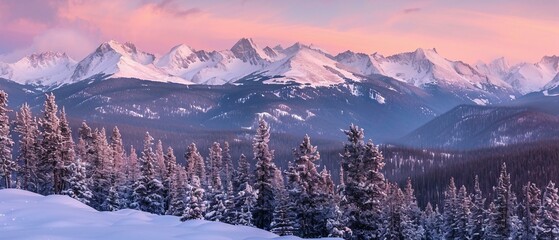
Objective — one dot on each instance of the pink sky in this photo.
(466, 30)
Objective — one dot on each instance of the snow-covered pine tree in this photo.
(245, 197)
(430, 223)
(118, 157)
(195, 165)
(476, 224)
(282, 223)
(463, 205)
(112, 202)
(160, 161)
(548, 227)
(411, 215)
(170, 176)
(227, 162)
(364, 185)
(67, 153)
(393, 214)
(78, 187)
(310, 192)
(102, 169)
(196, 206)
(501, 211)
(450, 214)
(530, 207)
(265, 176)
(28, 133)
(216, 167)
(148, 189)
(85, 147)
(8, 166)
(132, 166)
(49, 166)
(179, 194)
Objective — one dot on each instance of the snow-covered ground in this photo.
(26, 215)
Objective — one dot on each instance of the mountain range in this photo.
(300, 88)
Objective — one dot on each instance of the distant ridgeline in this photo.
(301, 199)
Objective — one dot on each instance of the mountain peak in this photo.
(246, 50)
(46, 59)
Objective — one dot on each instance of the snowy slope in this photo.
(214, 67)
(359, 63)
(426, 66)
(26, 215)
(122, 60)
(528, 77)
(306, 65)
(47, 69)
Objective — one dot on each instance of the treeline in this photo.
(300, 200)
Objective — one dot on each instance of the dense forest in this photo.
(360, 191)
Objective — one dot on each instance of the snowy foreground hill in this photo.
(26, 215)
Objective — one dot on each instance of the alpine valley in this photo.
(417, 98)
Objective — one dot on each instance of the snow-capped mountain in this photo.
(426, 66)
(45, 69)
(359, 63)
(121, 60)
(305, 65)
(527, 77)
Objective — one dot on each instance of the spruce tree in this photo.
(170, 176)
(393, 214)
(28, 134)
(450, 214)
(530, 208)
(282, 223)
(148, 189)
(227, 162)
(195, 165)
(476, 224)
(265, 174)
(160, 161)
(78, 187)
(245, 197)
(364, 185)
(501, 210)
(411, 215)
(49, 166)
(102, 169)
(196, 206)
(118, 166)
(68, 155)
(463, 205)
(548, 227)
(8, 166)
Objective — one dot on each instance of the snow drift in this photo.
(26, 215)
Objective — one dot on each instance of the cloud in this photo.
(171, 7)
(411, 10)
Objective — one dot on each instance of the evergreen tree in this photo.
(78, 187)
(430, 223)
(170, 176)
(112, 202)
(195, 165)
(265, 174)
(450, 214)
(245, 198)
(179, 194)
(8, 166)
(463, 204)
(148, 189)
(476, 224)
(160, 161)
(364, 185)
(118, 157)
(28, 134)
(215, 168)
(530, 206)
(501, 210)
(85, 147)
(196, 206)
(102, 169)
(393, 214)
(282, 223)
(50, 166)
(227, 162)
(68, 155)
(548, 227)
(411, 215)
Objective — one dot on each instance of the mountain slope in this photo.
(44, 69)
(466, 127)
(121, 60)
